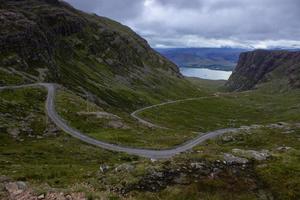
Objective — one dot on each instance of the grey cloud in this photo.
(205, 22)
(115, 9)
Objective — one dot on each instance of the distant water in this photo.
(205, 73)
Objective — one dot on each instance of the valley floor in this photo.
(256, 162)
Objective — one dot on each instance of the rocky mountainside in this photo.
(50, 41)
(261, 66)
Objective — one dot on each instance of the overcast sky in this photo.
(205, 23)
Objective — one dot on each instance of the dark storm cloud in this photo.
(258, 23)
(116, 9)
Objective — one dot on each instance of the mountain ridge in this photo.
(260, 66)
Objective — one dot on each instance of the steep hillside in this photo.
(261, 66)
(50, 41)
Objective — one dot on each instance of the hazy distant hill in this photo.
(212, 58)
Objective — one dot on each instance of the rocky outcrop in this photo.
(262, 65)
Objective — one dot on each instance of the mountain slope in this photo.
(262, 66)
(48, 40)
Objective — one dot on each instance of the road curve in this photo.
(151, 125)
(155, 154)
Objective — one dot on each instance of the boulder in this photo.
(231, 159)
(14, 132)
(251, 154)
(197, 165)
(283, 148)
(117, 124)
(104, 168)
(227, 138)
(15, 188)
(124, 167)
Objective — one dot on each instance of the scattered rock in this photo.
(227, 138)
(279, 125)
(104, 168)
(124, 167)
(4, 179)
(56, 196)
(283, 148)
(256, 155)
(246, 128)
(15, 188)
(40, 197)
(288, 132)
(21, 185)
(262, 166)
(51, 130)
(197, 165)
(100, 115)
(69, 197)
(117, 124)
(14, 132)
(231, 159)
(158, 174)
(182, 179)
(256, 126)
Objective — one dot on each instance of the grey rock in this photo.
(279, 125)
(124, 167)
(4, 179)
(231, 159)
(197, 165)
(158, 174)
(227, 138)
(40, 197)
(251, 154)
(117, 124)
(283, 148)
(256, 126)
(104, 168)
(21, 185)
(16, 188)
(14, 132)
(182, 179)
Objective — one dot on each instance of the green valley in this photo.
(89, 111)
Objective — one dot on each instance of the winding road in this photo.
(154, 154)
(149, 124)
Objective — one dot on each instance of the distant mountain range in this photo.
(211, 58)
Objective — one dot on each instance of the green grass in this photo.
(59, 160)
(136, 135)
(227, 110)
(24, 105)
(10, 79)
(62, 161)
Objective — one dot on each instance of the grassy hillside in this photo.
(228, 110)
(99, 59)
